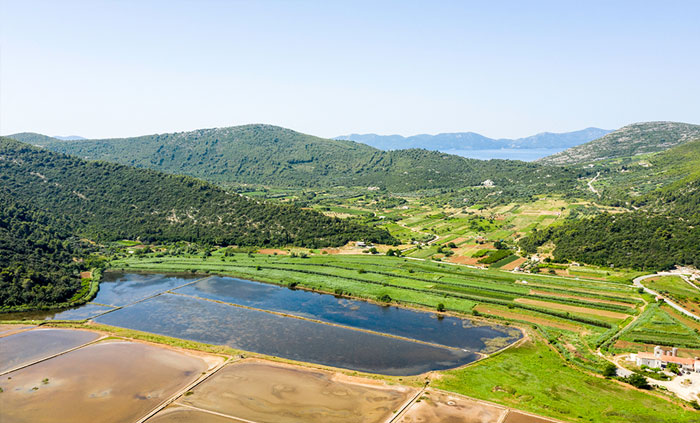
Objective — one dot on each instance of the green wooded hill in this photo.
(108, 201)
(630, 179)
(48, 199)
(274, 156)
(663, 233)
(36, 255)
(630, 140)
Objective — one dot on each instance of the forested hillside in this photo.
(50, 200)
(629, 179)
(631, 140)
(109, 201)
(36, 255)
(274, 156)
(662, 234)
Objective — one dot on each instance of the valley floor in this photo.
(571, 320)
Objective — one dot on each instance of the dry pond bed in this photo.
(254, 390)
(84, 376)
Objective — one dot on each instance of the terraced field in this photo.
(662, 326)
(430, 222)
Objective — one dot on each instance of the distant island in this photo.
(477, 146)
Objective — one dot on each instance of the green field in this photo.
(532, 377)
(420, 283)
(677, 289)
(657, 327)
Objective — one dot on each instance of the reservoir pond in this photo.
(293, 324)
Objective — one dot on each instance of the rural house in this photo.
(660, 358)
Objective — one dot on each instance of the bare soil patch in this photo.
(264, 392)
(518, 417)
(272, 251)
(570, 308)
(513, 264)
(463, 260)
(532, 319)
(558, 272)
(593, 300)
(436, 406)
(103, 382)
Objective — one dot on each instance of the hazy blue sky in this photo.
(504, 69)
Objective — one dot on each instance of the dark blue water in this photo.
(119, 289)
(450, 331)
(257, 331)
(116, 290)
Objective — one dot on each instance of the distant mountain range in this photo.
(630, 140)
(473, 141)
(69, 138)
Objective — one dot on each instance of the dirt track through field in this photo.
(593, 300)
(532, 319)
(570, 308)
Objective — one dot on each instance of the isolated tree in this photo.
(673, 368)
(610, 370)
(638, 381)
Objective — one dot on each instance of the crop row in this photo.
(497, 292)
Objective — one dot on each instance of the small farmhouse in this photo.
(660, 358)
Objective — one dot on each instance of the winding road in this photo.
(638, 283)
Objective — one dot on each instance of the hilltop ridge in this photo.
(630, 140)
(274, 156)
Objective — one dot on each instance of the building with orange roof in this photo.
(661, 358)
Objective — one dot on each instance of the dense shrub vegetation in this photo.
(48, 198)
(270, 155)
(36, 257)
(663, 234)
(109, 202)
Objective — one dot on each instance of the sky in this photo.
(500, 68)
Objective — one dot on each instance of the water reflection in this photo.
(265, 333)
(450, 331)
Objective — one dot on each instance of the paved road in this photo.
(638, 283)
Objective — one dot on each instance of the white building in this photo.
(661, 358)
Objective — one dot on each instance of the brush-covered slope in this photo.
(36, 256)
(248, 154)
(663, 233)
(48, 201)
(631, 140)
(629, 179)
(270, 155)
(108, 201)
